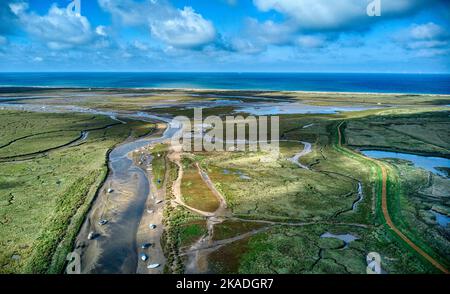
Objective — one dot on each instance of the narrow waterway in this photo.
(121, 202)
(306, 150)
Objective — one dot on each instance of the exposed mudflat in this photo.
(122, 201)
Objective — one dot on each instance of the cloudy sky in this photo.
(225, 35)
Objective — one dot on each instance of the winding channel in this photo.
(121, 202)
(305, 151)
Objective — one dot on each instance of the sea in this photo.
(314, 82)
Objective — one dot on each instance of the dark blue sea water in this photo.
(326, 82)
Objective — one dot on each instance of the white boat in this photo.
(143, 256)
(91, 235)
(146, 245)
(103, 222)
(153, 265)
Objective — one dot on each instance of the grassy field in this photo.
(194, 190)
(256, 188)
(43, 199)
(191, 231)
(40, 196)
(412, 193)
(181, 227)
(301, 250)
(159, 153)
(415, 133)
(230, 228)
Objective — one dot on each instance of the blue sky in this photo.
(225, 35)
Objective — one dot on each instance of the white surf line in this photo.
(306, 150)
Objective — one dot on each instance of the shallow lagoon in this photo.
(346, 238)
(425, 162)
(297, 108)
(442, 219)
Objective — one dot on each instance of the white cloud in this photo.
(335, 15)
(59, 29)
(427, 31)
(101, 31)
(18, 8)
(127, 12)
(314, 23)
(432, 52)
(426, 40)
(426, 44)
(140, 46)
(424, 35)
(311, 41)
(180, 28)
(247, 46)
(270, 32)
(315, 14)
(186, 30)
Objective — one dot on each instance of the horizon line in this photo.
(234, 72)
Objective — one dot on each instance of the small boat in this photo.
(159, 201)
(110, 190)
(91, 235)
(146, 245)
(152, 226)
(150, 211)
(103, 222)
(153, 265)
(143, 257)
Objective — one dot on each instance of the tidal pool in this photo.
(347, 238)
(442, 219)
(296, 108)
(241, 175)
(425, 162)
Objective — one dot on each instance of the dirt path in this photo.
(222, 210)
(197, 255)
(387, 217)
(175, 157)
